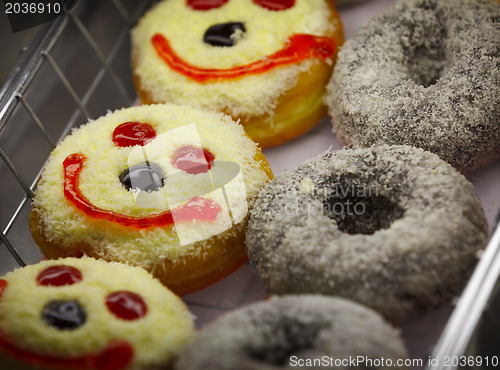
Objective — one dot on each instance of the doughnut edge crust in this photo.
(397, 82)
(267, 335)
(420, 260)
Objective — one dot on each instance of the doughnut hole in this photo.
(358, 213)
(424, 44)
(283, 341)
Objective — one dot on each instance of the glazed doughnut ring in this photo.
(424, 73)
(392, 227)
(281, 332)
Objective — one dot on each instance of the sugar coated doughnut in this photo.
(264, 62)
(295, 331)
(392, 227)
(164, 187)
(80, 313)
(423, 73)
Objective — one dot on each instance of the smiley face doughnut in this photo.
(264, 62)
(80, 313)
(164, 187)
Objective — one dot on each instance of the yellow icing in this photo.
(99, 182)
(156, 338)
(266, 32)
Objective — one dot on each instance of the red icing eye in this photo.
(59, 275)
(192, 159)
(133, 133)
(275, 4)
(126, 305)
(205, 4)
(3, 285)
(198, 208)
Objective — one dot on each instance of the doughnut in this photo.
(163, 187)
(392, 227)
(81, 313)
(423, 73)
(264, 62)
(289, 331)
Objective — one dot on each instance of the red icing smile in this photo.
(299, 47)
(116, 356)
(3, 285)
(197, 208)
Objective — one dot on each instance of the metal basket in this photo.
(76, 68)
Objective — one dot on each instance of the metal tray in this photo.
(77, 67)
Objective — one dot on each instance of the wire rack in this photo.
(58, 82)
(77, 68)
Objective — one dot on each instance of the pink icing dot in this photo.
(192, 159)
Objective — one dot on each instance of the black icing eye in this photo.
(220, 34)
(64, 314)
(143, 176)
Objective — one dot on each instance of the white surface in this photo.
(243, 286)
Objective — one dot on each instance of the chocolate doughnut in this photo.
(294, 331)
(392, 227)
(423, 73)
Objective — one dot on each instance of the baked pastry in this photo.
(305, 331)
(164, 187)
(88, 314)
(392, 227)
(423, 73)
(264, 62)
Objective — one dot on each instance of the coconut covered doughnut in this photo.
(88, 314)
(164, 187)
(423, 73)
(264, 62)
(295, 331)
(392, 227)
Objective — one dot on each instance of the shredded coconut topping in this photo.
(405, 235)
(423, 73)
